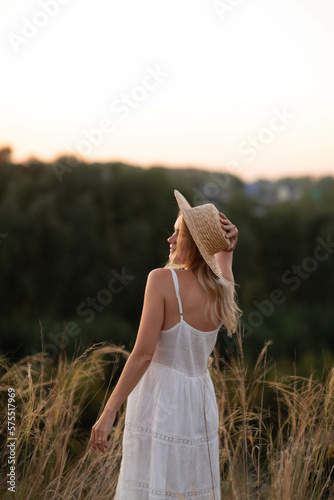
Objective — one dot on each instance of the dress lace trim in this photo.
(164, 493)
(171, 439)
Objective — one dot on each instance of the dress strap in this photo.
(177, 291)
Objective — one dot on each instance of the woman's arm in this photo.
(139, 359)
(225, 257)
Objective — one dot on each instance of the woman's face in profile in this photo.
(172, 240)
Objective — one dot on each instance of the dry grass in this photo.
(281, 451)
(277, 434)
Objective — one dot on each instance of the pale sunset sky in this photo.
(244, 86)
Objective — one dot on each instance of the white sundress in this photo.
(170, 447)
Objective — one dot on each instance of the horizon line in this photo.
(160, 164)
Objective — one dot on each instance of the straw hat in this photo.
(204, 225)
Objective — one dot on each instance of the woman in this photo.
(170, 442)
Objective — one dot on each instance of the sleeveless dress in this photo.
(170, 440)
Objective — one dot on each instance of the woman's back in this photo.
(193, 298)
(184, 346)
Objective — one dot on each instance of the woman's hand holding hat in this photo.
(230, 230)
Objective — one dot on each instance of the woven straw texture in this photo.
(204, 225)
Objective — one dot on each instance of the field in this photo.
(277, 433)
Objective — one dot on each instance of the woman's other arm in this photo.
(139, 359)
(146, 342)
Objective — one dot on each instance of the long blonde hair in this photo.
(221, 307)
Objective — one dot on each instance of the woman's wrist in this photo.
(110, 411)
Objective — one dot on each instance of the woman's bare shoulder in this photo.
(159, 273)
(158, 279)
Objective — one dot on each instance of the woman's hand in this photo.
(231, 232)
(101, 430)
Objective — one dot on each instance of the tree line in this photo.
(76, 246)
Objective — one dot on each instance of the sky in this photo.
(239, 86)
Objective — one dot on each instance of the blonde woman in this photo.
(170, 442)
